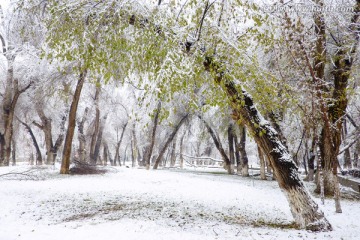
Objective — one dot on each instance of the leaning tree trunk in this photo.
(170, 138)
(36, 145)
(304, 209)
(65, 163)
(218, 145)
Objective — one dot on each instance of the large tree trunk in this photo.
(311, 161)
(46, 126)
(311, 165)
(6, 129)
(237, 154)
(105, 153)
(347, 159)
(10, 98)
(181, 151)
(304, 209)
(133, 153)
(231, 146)
(347, 154)
(243, 154)
(81, 137)
(13, 152)
(96, 125)
(218, 145)
(170, 138)
(59, 141)
(357, 154)
(334, 108)
(329, 161)
(149, 149)
(134, 147)
(262, 164)
(65, 164)
(173, 154)
(118, 144)
(98, 141)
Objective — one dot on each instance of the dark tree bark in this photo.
(231, 147)
(304, 209)
(46, 127)
(133, 153)
(13, 154)
(98, 141)
(347, 154)
(36, 145)
(237, 154)
(333, 109)
(59, 141)
(95, 134)
(117, 157)
(134, 147)
(110, 157)
(311, 164)
(105, 153)
(149, 149)
(356, 155)
(81, 136)
(262, 164)
(181, 151)
(168, 141)
(65, 163)
(218, 145)
(10, 98)
(243, 154)
(173, 153)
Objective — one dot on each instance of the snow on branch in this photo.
(29, 174)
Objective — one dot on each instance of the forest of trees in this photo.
(175, 82)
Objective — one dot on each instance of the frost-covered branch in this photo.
(24, 175)
(3, 43)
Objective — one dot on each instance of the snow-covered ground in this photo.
(164, 204)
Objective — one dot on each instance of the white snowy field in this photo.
(163, 204)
